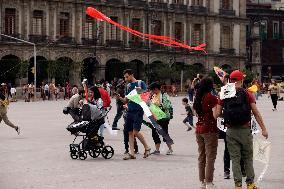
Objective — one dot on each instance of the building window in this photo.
(226, 37)
(282, 30)
(226, 4)
(89, 27)
(158, 1)
(113, 30)
(178, 30)
(136, 26)
(197, 33)
(64, 24)
(178, 2)
(275, 30)
(197, 2)
(10, 21)
(37, 22)
(263, 29)
(157, 29)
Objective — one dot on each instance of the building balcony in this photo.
(90, 41)
(115, 2)
(178, 7)
(157, 47)
(38, 39)
(198, 9)
(65, 40)
(227, 12)
(114, 43)
(91, 2)
(228, 51)
(158, 6)
(136, 45)
(137, 3)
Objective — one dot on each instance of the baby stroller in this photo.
(92, 143)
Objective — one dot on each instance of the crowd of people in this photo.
(203, 102)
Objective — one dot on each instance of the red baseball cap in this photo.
(237, 75)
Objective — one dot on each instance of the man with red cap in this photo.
(237, 116)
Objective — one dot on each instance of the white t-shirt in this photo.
(13, 90)
(46, 87)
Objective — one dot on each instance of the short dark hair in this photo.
(185, 100)
(155, 85)
(128, 71)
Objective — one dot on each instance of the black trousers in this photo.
(165, 125)
(274, 99)
(227, 160)
(118, 115)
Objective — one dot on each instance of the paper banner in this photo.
(228, 91)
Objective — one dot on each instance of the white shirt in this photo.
(13, 90)
(46, 87)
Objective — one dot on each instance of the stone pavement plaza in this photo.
(39, 157)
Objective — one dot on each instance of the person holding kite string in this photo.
(134, 115)
(236, 111)
(206, 132)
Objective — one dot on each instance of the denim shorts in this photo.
(188, 119)
(133, 121)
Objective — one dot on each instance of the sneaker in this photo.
(252, 186)
(202, 185)
(170, 152)
(18, 130)
(210, 186)
(156, 152)
(189, 129)
(238, 187)
(227, 175)
(126, 152)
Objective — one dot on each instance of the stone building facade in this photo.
(62, 31)
(265, 40)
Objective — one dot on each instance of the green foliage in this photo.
(22, 73)
(59, 70)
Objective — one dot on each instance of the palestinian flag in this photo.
(153, 112)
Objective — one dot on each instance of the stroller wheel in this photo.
(82, 155)
(107, 152)
(94, 153)
(74, 155)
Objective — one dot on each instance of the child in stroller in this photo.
(92, 119)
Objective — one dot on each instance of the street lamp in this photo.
(34, 53)
(153, 16)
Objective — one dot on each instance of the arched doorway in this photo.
(226, 67)
(10, 67)
(198, 68)
(88, 69)
(60, 69)
(114, 68)
(153, 71)
(138, 68)
(41, 72)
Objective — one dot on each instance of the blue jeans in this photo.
(188, 119)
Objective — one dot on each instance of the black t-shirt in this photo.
(188, 110)
(2, 97)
